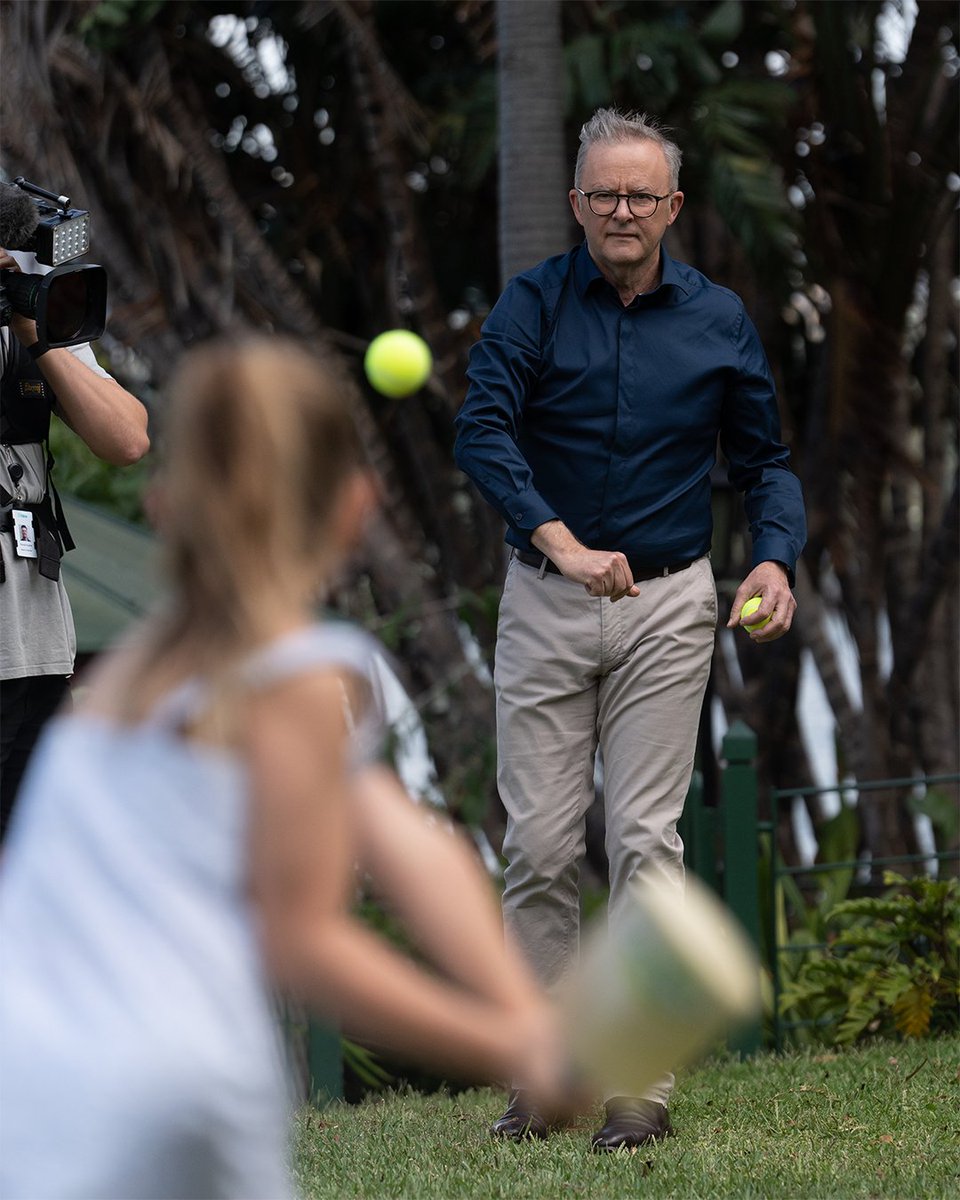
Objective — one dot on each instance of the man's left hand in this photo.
(769, 581)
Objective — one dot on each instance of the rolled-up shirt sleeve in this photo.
(759, 463)
(504, 367)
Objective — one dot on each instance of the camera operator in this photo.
(37, 636)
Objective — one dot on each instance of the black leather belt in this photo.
(640, 573)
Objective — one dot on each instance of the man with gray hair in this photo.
(601, 384)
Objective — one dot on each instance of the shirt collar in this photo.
(586, 273)
(670, 275)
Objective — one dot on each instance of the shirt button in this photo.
(518, 516)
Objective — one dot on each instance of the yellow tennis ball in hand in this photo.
(398, 362)
(751, 606)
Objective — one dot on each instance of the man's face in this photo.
(622, 241)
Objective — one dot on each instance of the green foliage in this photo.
(724, 23)
(478, 609)
(370, 1072)
(585, 62)
(80, 473)
(468, 125)
(892, 966)
(364, 1064)
(593, 903)
(728, 122)
(940, 806)
(468, 792)
(108, 25)
(837, 841)
(734, 121)
(372, 914)
(798, 920)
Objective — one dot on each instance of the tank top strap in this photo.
(336, 645)
(179, 706)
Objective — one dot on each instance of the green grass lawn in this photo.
(880, 1122)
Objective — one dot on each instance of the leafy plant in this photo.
(892, 966)
(794, 919)
(106, 24)
(372, 1075)
(80, 473)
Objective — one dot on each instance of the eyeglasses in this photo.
(605, 204)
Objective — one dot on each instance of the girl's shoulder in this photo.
(329, 647)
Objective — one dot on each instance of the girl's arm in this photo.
(426, 872)
(309, 824)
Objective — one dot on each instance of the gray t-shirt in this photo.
(37, 636)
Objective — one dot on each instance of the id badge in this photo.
(24, 535)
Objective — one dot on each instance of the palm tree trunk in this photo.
(534, 174)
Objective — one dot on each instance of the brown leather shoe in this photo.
(520, 1121)
(631, 1123)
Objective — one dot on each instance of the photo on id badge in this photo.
(25, 535)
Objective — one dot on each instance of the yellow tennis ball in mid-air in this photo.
(398, 362)
(751, 606)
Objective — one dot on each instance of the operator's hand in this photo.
(769, 581)
(24, 329)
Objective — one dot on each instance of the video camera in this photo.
(69, 303)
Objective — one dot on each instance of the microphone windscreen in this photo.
(18, 217)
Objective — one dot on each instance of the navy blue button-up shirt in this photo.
(607, 416)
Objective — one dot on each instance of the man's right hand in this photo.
(602, 572)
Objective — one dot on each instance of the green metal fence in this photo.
(314, 1054)
(780, 870)
(722, 845)
(731, 849)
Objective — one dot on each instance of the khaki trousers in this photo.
(576, 674)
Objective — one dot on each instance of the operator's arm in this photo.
(111, 421)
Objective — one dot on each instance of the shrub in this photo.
(892, 966)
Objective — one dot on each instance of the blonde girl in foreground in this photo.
(186, 840)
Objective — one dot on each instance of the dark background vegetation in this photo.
(334, 168)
